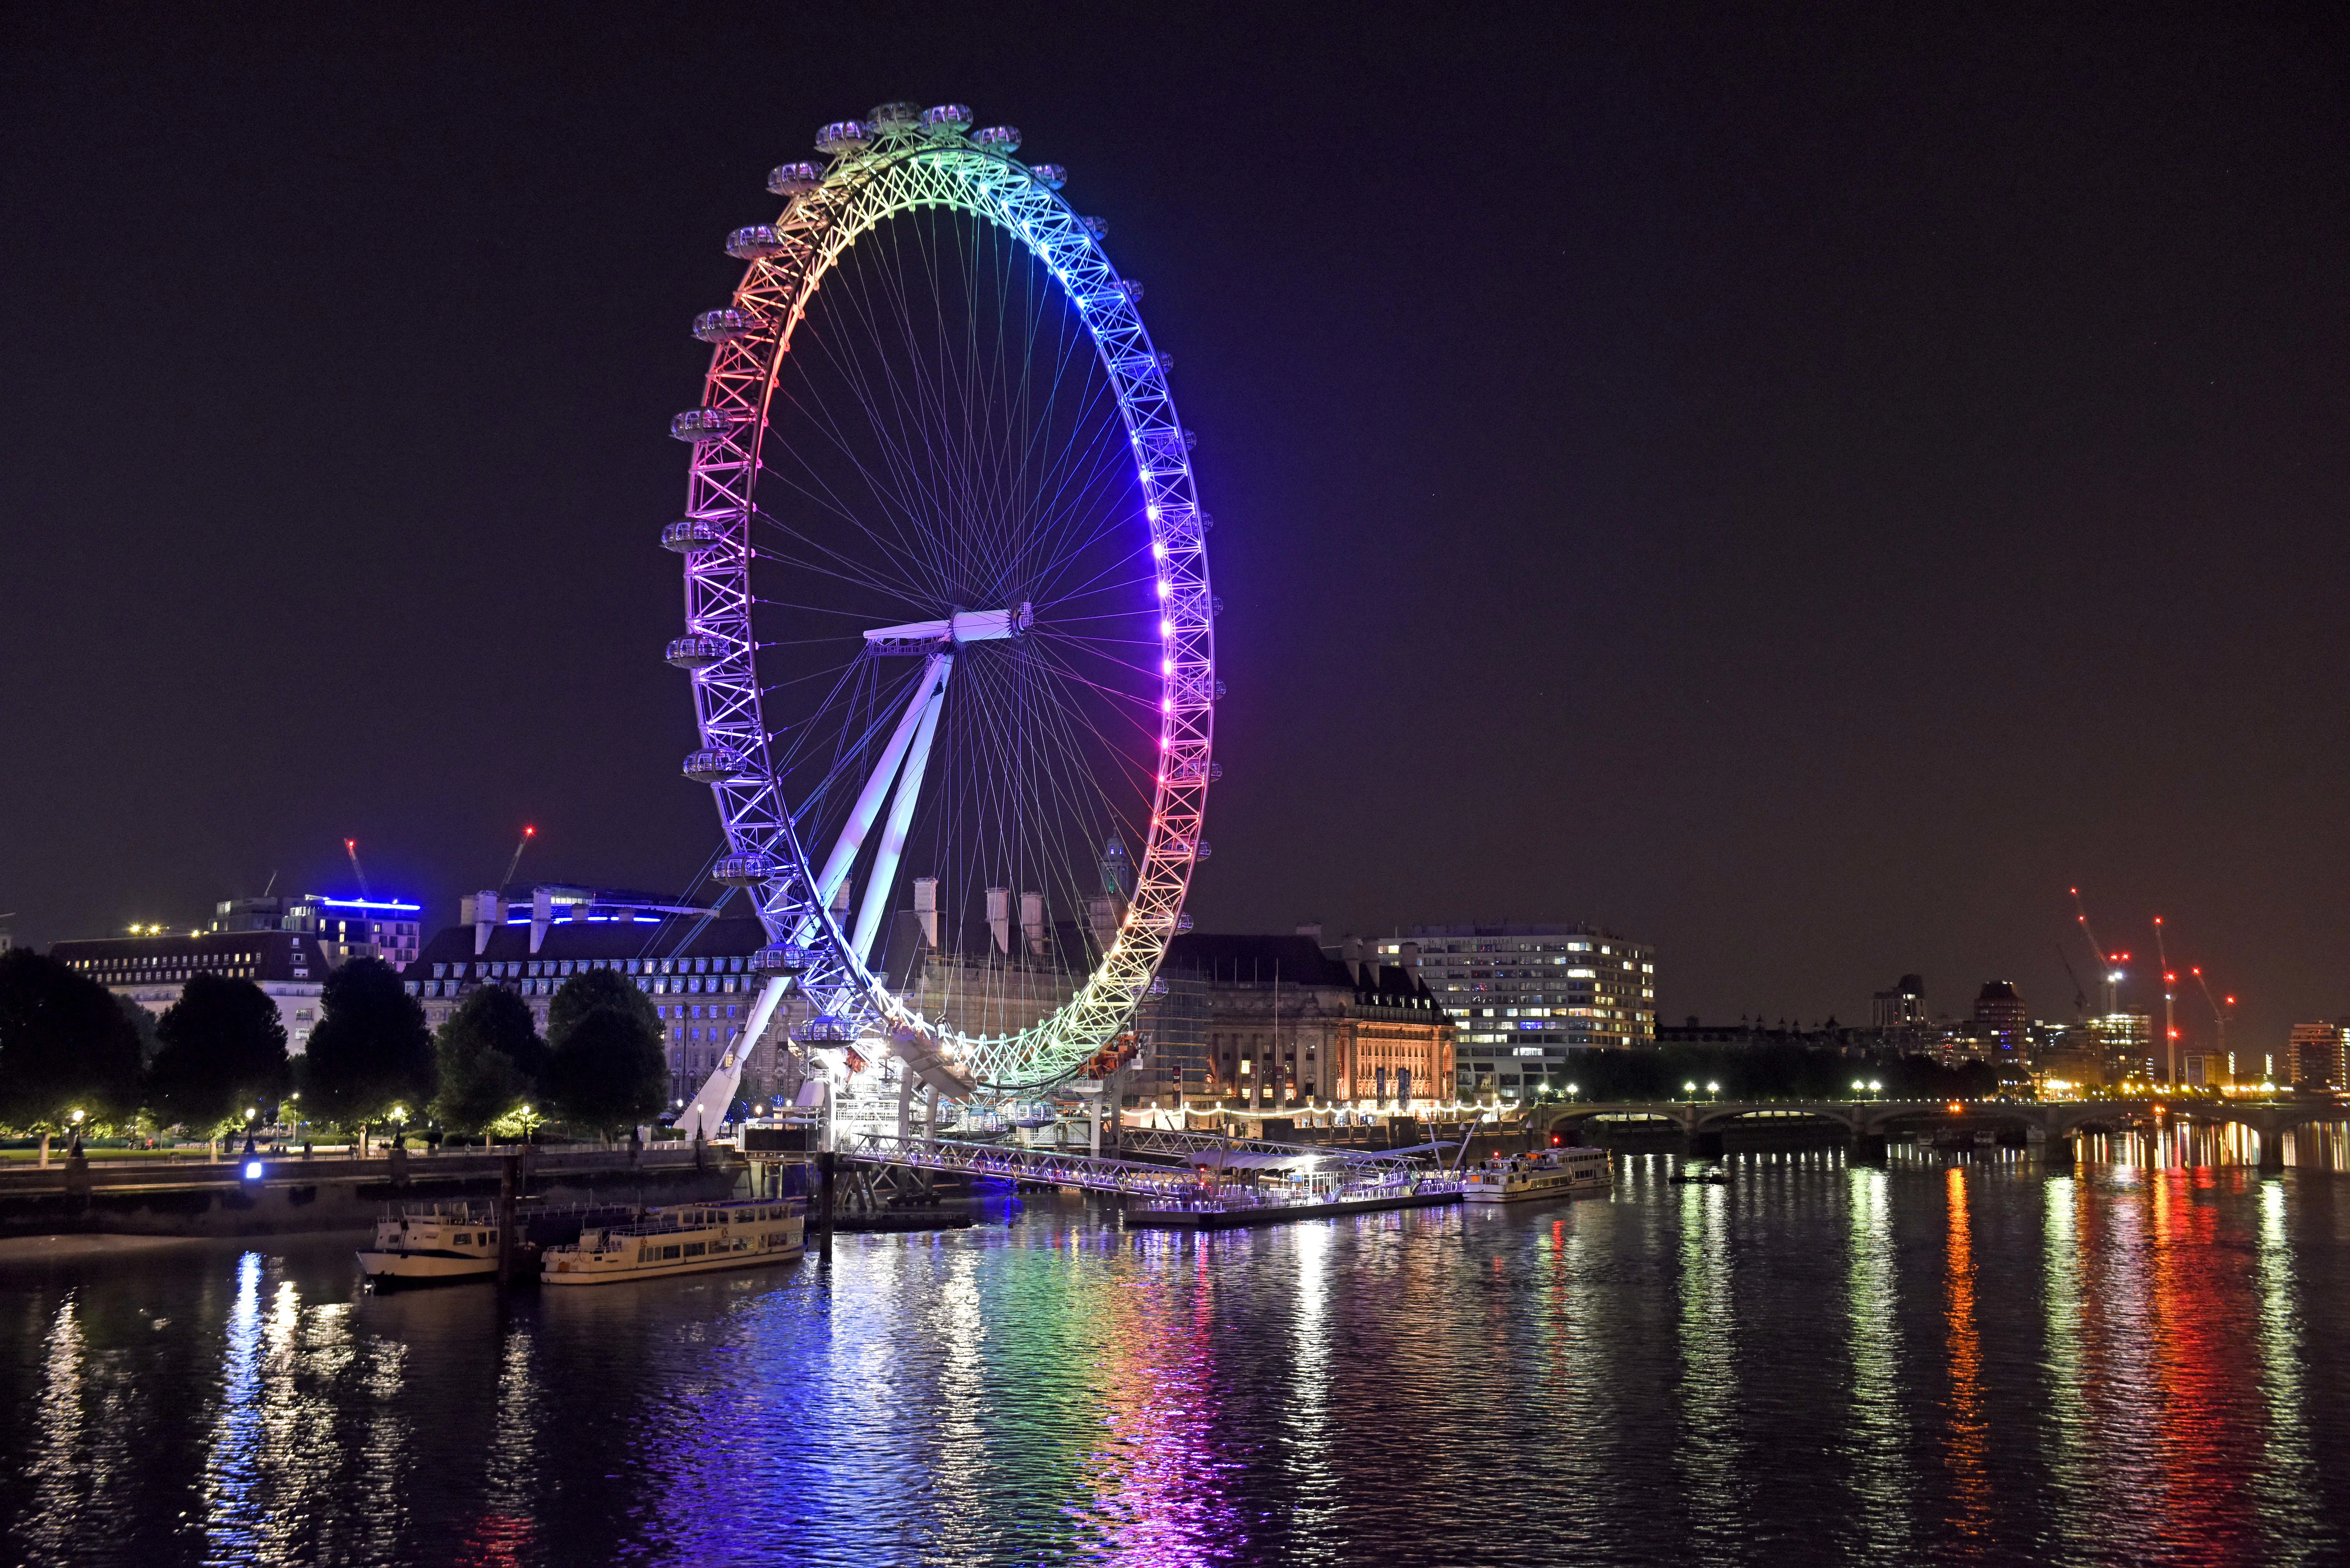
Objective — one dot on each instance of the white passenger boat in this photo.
(1552, 1173)
(432, 1245)
(689, 1240)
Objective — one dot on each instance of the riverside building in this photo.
(1289, 1026)
(1524, 999)
(386, 928)
(290, 967)
(691, 961)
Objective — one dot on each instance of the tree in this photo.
(145, 1025)
(490, 1060)
(591, 988)
(370, 1051)
(605, 1067)
(64, 1045)
(222, 1050)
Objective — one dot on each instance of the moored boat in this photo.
(689, 1240)
(1552, 1173)
(434, 1245)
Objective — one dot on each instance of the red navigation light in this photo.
(2231, 1001)
(529, 832)
(2170, 979)
(350, 844)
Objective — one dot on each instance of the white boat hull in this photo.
(1554, 1173)
(557, 1274)
(424, 1268)
(695, 1239)
(1530, 1191)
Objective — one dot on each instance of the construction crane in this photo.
(528, 833)
(2105, 961)
(2219, 1020)
(2170, 1019)
(352, 849)
(2080, 997)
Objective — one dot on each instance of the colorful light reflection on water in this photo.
(1969, 1362)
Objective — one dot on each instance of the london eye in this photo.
(948, 617)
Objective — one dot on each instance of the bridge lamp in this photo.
(1714, 1089)
(1690, 1089)
(1874, 1085)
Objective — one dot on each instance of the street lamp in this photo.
(1713, 1089)
(1691, 1090)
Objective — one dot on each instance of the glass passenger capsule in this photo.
(695, 651)
(714, 765)
(790, 179)
(947, 119)
(701, 424)
(894, 119)
(742, 870)
(781, 958)
(721, 326)
(1051, 176)
(841, 138)
(753, 242)
(1004, 138)
(688, 534)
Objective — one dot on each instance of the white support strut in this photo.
(901, 817)
(709, 1105)
(868, 803)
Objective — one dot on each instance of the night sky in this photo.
(1802, 493)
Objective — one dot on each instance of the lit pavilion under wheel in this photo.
(948, 613)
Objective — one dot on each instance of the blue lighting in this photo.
(252, 1171)
(397, 904)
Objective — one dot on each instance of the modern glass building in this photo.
(1526, 999)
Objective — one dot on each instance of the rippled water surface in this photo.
(1817, 1362)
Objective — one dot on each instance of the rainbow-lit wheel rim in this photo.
(896, 164)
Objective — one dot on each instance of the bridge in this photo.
(1867, 1120)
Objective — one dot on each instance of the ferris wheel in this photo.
(948, 615)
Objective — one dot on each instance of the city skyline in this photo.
(1866, 530)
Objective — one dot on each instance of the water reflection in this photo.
(1875, 1430)
(2070, 1441)
(1968, 1441)
(1709, 1388)
(1915, 1364)
(2284, 1482)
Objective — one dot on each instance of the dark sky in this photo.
(1801, 492)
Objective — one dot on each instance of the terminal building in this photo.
(1524, 999)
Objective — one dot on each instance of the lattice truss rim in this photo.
(862, 188)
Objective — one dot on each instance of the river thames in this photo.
(1967, 1361)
